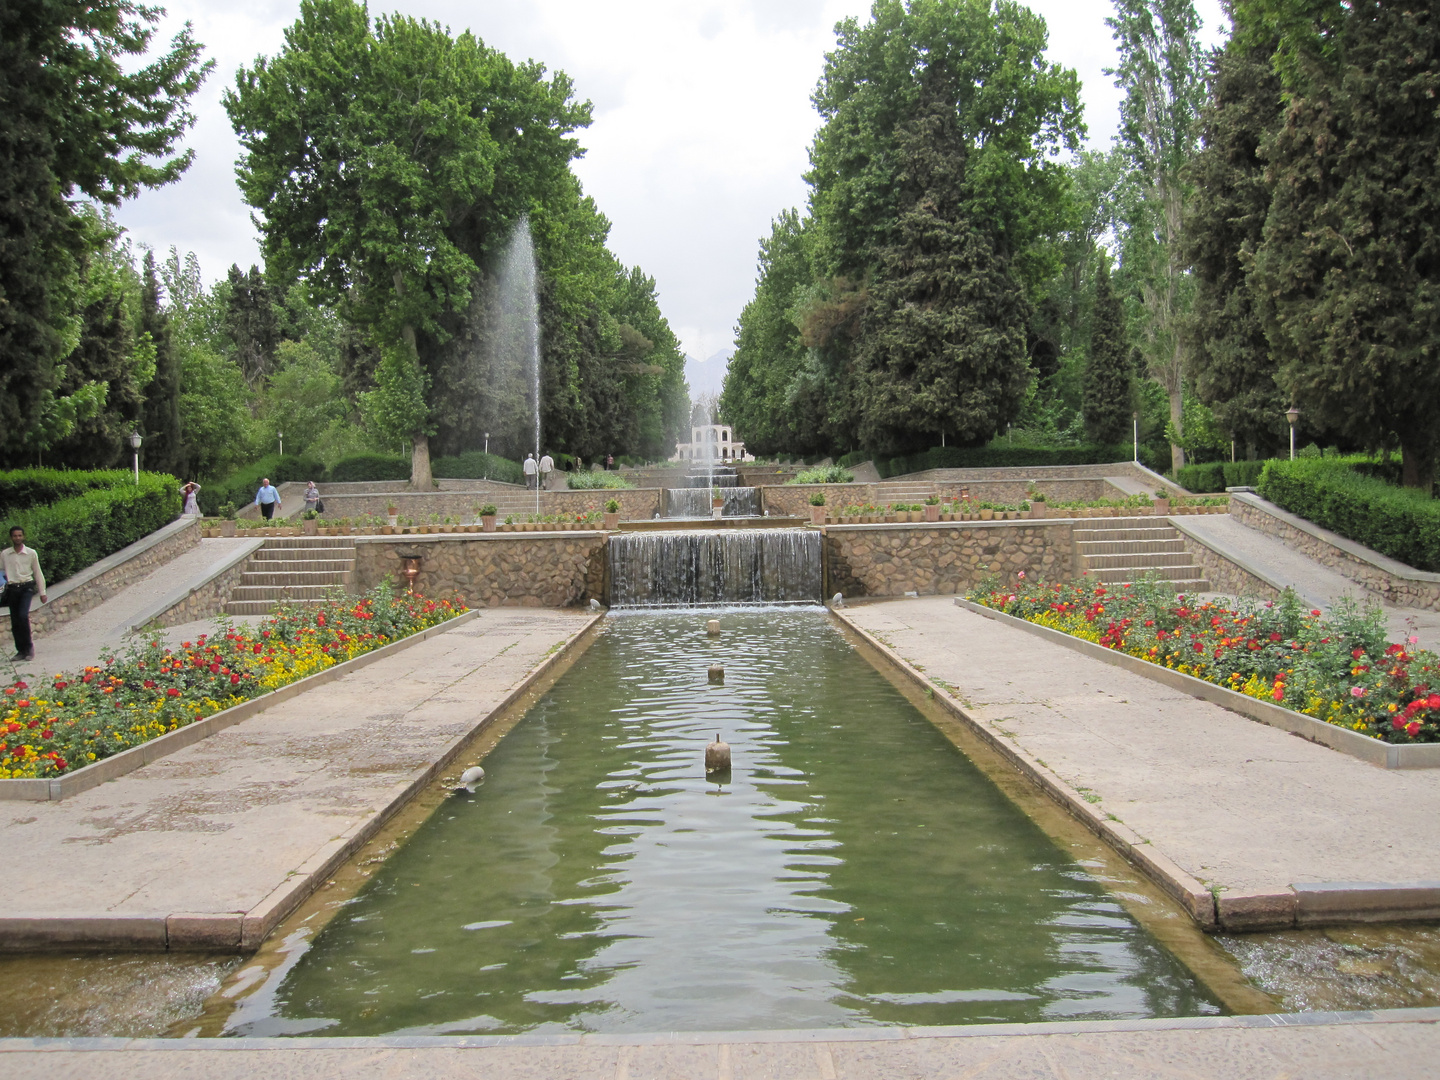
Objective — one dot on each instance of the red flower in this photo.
(24, 703)
(234, 679)
(1358, 653)
(1412, 728)
(214, 669)
(149, 684)
(172, 692)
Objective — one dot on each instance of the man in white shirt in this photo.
(547, 466)
(23, 579)
(530, 470)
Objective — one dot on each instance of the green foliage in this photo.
(612, 506)
(999, 456)
(240, 486)
(1217, 476)
(21, 489)
(361, 467)
(1109, 371)
(817, 498)
(478, 465)
(1399, 522)
(826, 474)
(489, 510)
(75, 532)
(596, 480)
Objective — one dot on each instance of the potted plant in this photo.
(987, 513)
(487, 516)
(932, 508)
(612, 514)
(1162, 503)
(1038, 509)
(717, 500)
(227, 519)
(393, 513)
(311, 523)
(817, 508)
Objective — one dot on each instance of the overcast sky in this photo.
(702, 121)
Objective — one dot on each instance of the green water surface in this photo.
(856, 868)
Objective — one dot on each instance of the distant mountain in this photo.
(707, 376)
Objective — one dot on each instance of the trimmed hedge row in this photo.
(1399, 522)
(1218, 475)
(240, 486)
(477, 465)
(362, 467)
(21, 489)
(74, 533)
(1002, 457)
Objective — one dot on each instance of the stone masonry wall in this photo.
(1421, 591)
(891, 560)
(491, 570)
(635, 504)
(88, 594)
(205, 602)
(1224, 576)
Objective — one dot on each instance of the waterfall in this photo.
(695, 502)
(691, 569)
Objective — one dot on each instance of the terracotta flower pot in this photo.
(612, 521)
(932, 513)
(987, 514)
(227, 528)
(817, 515)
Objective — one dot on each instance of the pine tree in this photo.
(1230, 359)
(160, 417)
(943, 348)
(251, 324)
(1109, 371)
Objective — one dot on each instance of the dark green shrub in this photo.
(74, 533)
(359, 468)
(1243, 473)
(855, 457)
(1000, 456)
(21, 489)
(1399, 522)
(1207, 477)
(477, 465)
(240, 486)
(824, 474)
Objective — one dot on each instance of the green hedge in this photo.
(21, 489)
(240, 486)
(1000, 456)
(359, 468)
(477, 465)
(1399, 522)
(73, 533)
(1218, 475)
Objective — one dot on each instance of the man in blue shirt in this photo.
(267, 498)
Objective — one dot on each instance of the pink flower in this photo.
(1357, 691)
(1022, 575)
(1413, 640)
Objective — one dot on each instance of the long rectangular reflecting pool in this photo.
(854, 868)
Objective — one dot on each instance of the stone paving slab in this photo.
(213, 845)
(1246, 810)
(1399, 1044)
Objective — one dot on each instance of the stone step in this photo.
(276, 566)
(1137, 560)
(1183, 576)
(274, 542)
(258, 607)
(287, 578)
(305, 555)
(1092, 536)
(1120, 547)
(287, 592)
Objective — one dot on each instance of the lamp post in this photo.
(1135, 419)
(1292, 414)
(281, 436)
(135, 447)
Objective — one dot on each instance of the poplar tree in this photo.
(160, 416)
(251, 324)
(1109, 369)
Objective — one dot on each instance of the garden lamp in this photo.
(281, 436)
(135, 441)
(1135, 418)
(1292, 414)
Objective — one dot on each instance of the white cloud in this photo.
(702, 123)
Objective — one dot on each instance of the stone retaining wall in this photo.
(73, 597)
(205, 602)
(891, 560)
(1400, 585)
(635, 504)
(1224, 576)
(490, 570)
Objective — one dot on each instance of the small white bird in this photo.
(594, 604)
(838, 599)
(471, 778)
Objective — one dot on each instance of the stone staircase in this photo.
(903, 491)
(1117, 550)
(300, 569)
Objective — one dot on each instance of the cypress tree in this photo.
(943, 347)
(1231, 362)
(1110, 368)
(160, 416)
(251, 325)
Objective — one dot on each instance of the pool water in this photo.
(855, 868)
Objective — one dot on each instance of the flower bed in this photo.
(48, 731)
(1339, 669)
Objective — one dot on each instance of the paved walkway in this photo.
(1316, 583)
(1398, 1045)
(224, 835)
(80, 641)
(1242, 807)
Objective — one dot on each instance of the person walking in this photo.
(609, 462)
(268, 499)
(312, 496)
(192, 504)
(23, 579)
(531, 470)
(547, 466)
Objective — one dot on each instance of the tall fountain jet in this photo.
(520, 310)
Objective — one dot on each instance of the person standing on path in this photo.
(609, 462)
(547, 466)
(192, 503)
(312, 496)
(268, 499)
(530, 470)
(23, 579)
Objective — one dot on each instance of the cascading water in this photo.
(691, 569)
(519, 298)
(694, 502)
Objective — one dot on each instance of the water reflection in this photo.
(857, 869)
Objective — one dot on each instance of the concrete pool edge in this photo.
(1196, 900)
(243, 931)
(1424, 1015)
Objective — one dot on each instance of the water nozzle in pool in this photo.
(717, 675)
(717, 756)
